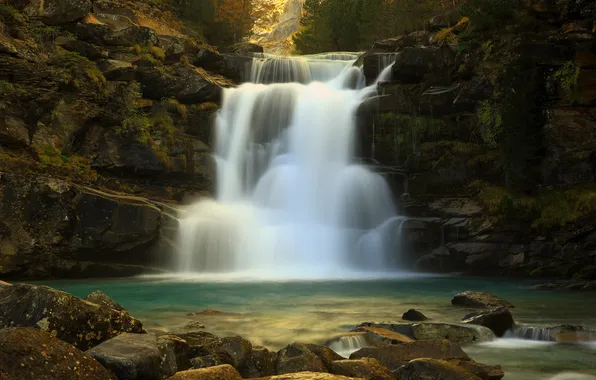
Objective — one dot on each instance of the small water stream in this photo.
(274, 314)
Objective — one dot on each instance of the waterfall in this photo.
(346, 345)
(291, 202)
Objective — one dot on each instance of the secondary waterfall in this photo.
(291, 201)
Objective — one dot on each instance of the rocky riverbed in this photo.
(51, 334)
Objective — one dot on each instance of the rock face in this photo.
(479, 300)
(52, 228)
(221, 372)
(298, 358)
(54, 12)
(498, 320)
(140, 356)
(395, 356)
(75, 321)
(30, 353)
(366, 368)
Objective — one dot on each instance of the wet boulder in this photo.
(146, 356)
(455, 332)
(260, 362)
(326, 354)
(53, 12)
(30, 353)
(220, 372)
(236, 349)
(395, 356)
(413, 315)
(297, 357)
(73, 320)
(209, 59)
(498, 320)
(479, 300)
(433, 369)
(205, 361)
(366, 368)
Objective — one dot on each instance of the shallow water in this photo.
(274, 314)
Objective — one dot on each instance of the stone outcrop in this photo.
(52, 228)
(298, 358)
(30, 353)
(80, 323)
(433, 369)
(366, 368)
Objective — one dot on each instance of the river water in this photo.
(275, 314)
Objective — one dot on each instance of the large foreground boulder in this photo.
(100, 298)
(433, 369)
(142, 356)
(29, 353)
(220, 372)
(395, 356)
(479, 300)
(80, 323)
(498, 320)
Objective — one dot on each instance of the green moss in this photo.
(137, 49)
(566, 79)
(44, 33)
(158, 53)
(548, 209)
(79, 71)
(490, 122)
(180, 109)
(11, 15)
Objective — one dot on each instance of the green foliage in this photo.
(486, 14)
(487, 49)
(44, 33)
(490, 122)
(339, 25)
(79, 71)
(545, 210)
(154, 54)
(399, 135)
(10, 15)
(565, 78)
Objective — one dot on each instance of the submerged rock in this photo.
(220, 372)
(30, 353)
(454, 332)
(479, 299)
(433, 369)
(384, 336)
(71, 319)
(297, 357)
(142, 357)
(367, 368)
(498, 320)
(395, 356)
(413, 315)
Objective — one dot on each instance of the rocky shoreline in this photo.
(49, 334)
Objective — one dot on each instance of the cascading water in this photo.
(290, 201)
